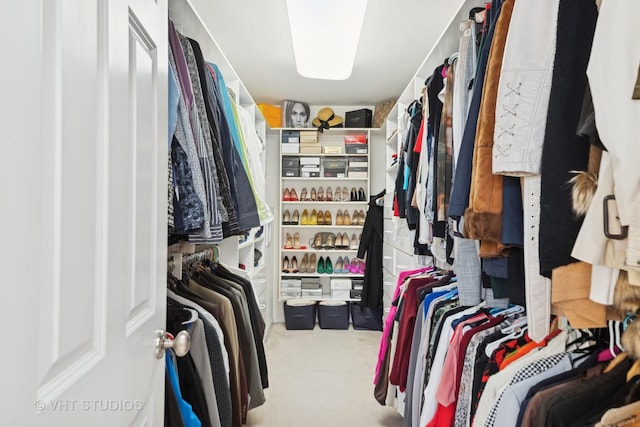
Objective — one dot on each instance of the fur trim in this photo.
(584, 187)
(482, 225)
(630, 340)
(626, 297)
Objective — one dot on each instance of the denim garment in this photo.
(512, 222)
(227, 150)
(460, 192)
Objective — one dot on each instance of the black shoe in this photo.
(361, 195)
(354, 195)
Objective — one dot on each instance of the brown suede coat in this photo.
(483, 217)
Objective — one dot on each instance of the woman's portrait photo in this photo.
(296, 114)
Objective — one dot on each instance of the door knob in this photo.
(180, 344)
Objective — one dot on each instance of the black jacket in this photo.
(371, 246)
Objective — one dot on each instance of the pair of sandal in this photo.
(293, 242)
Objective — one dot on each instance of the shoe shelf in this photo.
(307, 181)
(322, 178)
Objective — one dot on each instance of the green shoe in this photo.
(321, 266)
(328, 268)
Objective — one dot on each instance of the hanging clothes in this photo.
(371, 247)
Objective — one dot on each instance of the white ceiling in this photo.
(396, 37)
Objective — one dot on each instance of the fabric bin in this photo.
(333, 315)
(300, 314)
(367, 318)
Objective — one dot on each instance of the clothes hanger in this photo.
(194, 316)
(506, 312)
(519, 332)
(516, 325)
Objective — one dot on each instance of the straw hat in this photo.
(326, 119)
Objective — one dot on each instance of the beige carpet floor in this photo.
(321, 378)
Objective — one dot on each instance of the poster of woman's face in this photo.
(296, 114)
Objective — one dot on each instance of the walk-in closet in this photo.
(212, 221)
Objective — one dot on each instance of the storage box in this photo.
(357, 284)
(341, 284)
(308, 174)
(293, 293)
(290, 165)
(340, 294)
(333, 315)
(312, 293)
(309, 136)
(333, 149)
(315, 161)
(356, 174)
(299, 314)
(310, 171)
(290, 148)
(334, 167)
(358, 118)
(310, 148)
(366, 318)
(356, 144)
(356, 293)
(356, 148)
(290, 136)
(358, 163)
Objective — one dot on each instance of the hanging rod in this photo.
(206, 254)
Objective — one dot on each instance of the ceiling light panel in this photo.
(325, 36)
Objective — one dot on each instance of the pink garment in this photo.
(447, 392)
(388, 324)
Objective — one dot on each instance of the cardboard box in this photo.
(290, 148)
(310, 148)
(341, 284)
(309, 136)
(331, 149)
(363, 175)
(340, 294)
(356, 138)
(310, 161)
(358, 118)
(294, 293)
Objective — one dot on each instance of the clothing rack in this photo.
(210, 254)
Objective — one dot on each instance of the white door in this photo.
(83, 194)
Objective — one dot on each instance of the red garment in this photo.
(417, 147)
(400, 368)
(444, 416)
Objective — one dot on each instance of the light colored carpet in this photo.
(322, 378)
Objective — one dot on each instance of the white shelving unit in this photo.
(330, 138)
